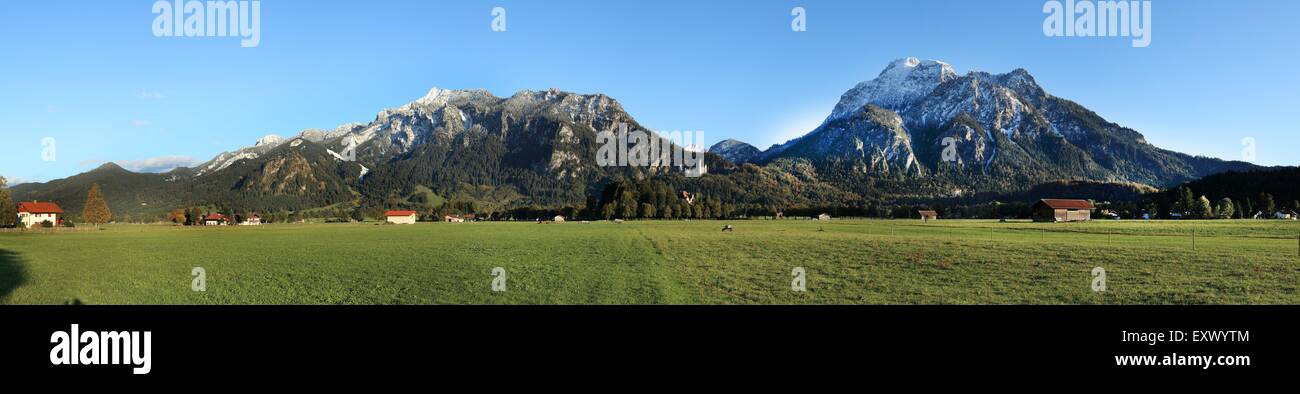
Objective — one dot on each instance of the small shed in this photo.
(928, 215)
(824, 216)
(1062, 210)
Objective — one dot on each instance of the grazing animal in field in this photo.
(727, 228)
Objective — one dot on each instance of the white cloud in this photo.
(139, 123)
(158, 164)
(151, 95)
(15, 181)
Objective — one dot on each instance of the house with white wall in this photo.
(401, 217)
(33, 213)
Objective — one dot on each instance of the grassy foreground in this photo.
(659, 262)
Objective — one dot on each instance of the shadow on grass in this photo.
(12, 273)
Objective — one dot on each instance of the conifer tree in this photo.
(96, 210)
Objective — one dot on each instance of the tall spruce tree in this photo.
(1187, 201)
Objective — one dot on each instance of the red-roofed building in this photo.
(401, 217)
(1059, 210)
(215, 219)
(34, 213)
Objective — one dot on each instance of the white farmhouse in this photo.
(34, 213)
(255, 220)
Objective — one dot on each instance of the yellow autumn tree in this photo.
(96, 208)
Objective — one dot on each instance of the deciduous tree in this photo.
(96, 210)
(8, 212)
(1204, 208)
(1225, 209)
(178, 216)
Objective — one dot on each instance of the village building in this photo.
(32, 214)
(1062, 210)
(459, 218)
(401, 217)
(215, 219)
(255, 220)
(928, 215)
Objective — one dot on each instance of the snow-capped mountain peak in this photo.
(433, 96)
(269, 140)
(901, 83)
(900, 68)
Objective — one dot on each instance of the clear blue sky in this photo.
(93, 76)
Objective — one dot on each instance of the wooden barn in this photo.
(1061, 210)
(928, 215)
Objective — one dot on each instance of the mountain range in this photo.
(1004, 132)
(918, 131)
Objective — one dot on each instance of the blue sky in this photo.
(92, 76)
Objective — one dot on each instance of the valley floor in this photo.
(662, 262)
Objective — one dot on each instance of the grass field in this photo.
(661, 262)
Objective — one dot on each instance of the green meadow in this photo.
(661, 262)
